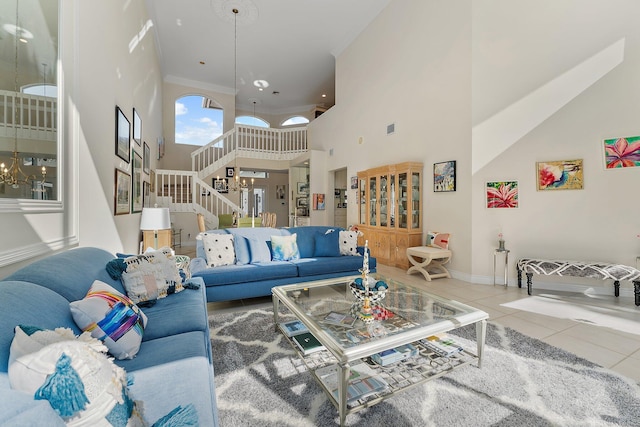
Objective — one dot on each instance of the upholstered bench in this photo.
(593, 270)
(432, 258)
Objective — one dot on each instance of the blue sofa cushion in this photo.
(259, 250)
(325, 265)
(307, 238)
(243, 253)
(327, 244)
(70, 273)
(25, 303)
(183, 312)
(230, 274)
(18, 408)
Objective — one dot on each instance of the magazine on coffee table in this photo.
(363, 381)
(339, 319)
(293, 327)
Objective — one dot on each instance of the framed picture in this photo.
(122, 192)
(302, 202)
(560, 175)
(280, 192)
(354, 182)
(152, 181)
(136, 187)
(502, 194)
(318, 201)
(622, 152)
(123, 136)
(220, 185)
(444, 176)
(303, 188)
(302, 212)
(146, 158)
(146, 195)
(137, 127)
(160, 147)
(230, 172)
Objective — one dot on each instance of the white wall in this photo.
(411, 67)
(557, 68)
(108, 58)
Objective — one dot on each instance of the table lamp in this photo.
(155, 219)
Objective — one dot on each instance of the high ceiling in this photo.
(291, 44)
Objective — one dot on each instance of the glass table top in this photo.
(333, 313)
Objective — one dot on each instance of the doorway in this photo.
(252, 201)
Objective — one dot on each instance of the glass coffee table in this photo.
(368, 355)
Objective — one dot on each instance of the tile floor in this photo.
(610, 347)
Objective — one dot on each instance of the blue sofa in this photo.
(250, 277)
(173, 366)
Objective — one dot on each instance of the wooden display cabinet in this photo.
(390, 211)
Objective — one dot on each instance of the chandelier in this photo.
(13, 175)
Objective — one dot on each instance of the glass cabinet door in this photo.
(384, 201)
(362, 201)
(403, 201)
(415, 200)
(392, 200)
(373, 201)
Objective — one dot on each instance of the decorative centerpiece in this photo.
(367, 289)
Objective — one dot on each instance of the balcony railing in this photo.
(36, 116)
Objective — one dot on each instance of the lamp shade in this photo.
(155, 219)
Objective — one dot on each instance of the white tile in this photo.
(525, 327)
(592, 352)
(628, 367)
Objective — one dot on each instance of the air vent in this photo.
(391, 128)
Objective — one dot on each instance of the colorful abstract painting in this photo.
(444, 176)
(560, 175)
(502, 194)
(622, 152)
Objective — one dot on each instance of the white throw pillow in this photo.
(348, 242)
(219, 249)
(80, 382)
(112, 318)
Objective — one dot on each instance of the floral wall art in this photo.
(622, 152)
(502, 194)
(560, 175)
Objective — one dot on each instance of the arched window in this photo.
(252, 121)
(49, 90)
(198, 120)
(295, 120)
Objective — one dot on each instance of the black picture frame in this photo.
(302, 202)
(146, 158)
(137, 197)
(123, 136)
(220, 185)
(444, 176)
(137, 127)
(121, 193)
(230, 172)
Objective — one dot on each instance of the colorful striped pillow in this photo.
(111, 318)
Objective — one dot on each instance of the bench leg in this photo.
(636, 291)
(519, 277)
(616, 288)
(529, 284)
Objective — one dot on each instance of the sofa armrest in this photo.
(197, 265)
(20, 409)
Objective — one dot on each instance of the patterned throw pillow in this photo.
(151, 276)
(219, 249)
(438, 240)
(111, 318)
(285, 248)
(80, 382)
(348, 242)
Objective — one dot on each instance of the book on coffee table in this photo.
(293, 327)
(339, 319)
(307, 343)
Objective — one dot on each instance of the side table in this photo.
(506, 265)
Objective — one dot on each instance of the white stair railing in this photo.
(184, 191)
(36, 116)
(249, 142)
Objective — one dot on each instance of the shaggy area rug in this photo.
(522, 382)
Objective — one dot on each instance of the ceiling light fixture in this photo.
(13, 175)
(234, 184)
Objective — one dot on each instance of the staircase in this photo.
(188, 191)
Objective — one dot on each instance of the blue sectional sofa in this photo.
(254, 273)
(172, 368)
